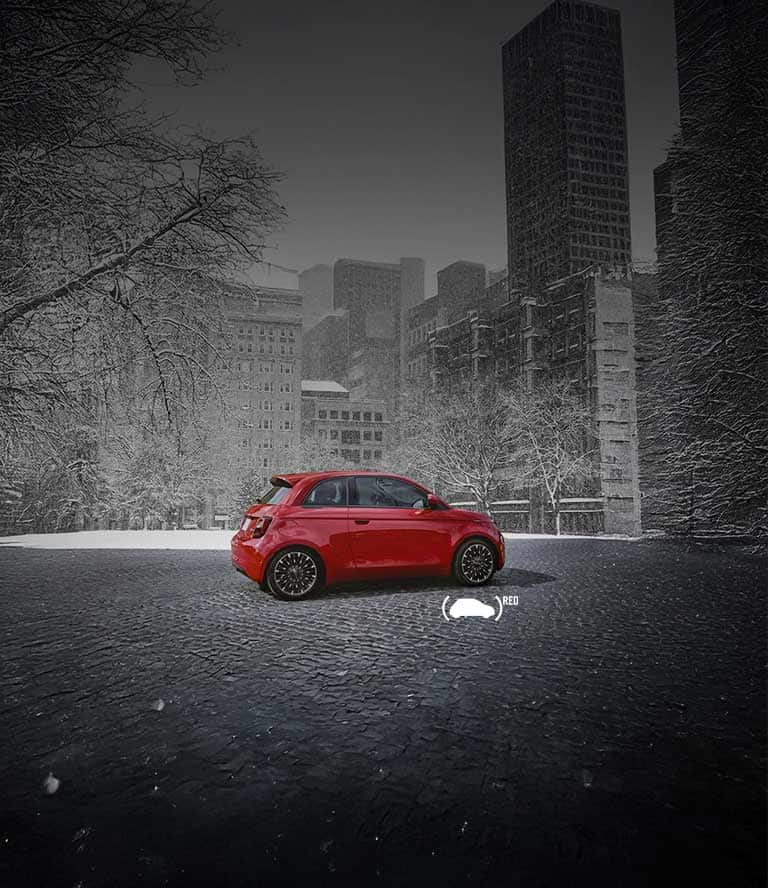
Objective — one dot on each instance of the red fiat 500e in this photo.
(318, 528)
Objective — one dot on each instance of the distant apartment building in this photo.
(421, 321)
(326, 349)
(565, 144)
(316, 285)
(459, 286)
(354, 429)
(376, 297)
(262, 364)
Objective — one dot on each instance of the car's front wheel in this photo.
(294, 574)
(474, 563)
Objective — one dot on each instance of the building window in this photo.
(366, 436)
(378, 417)
(367, 416)
(334, 414)
(334, 434)
(323, 414)
(377, 436)
(356, 414)
(345, 414)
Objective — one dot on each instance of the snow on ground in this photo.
(123, 539)
(181, 539)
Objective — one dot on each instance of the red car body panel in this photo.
(360, 542)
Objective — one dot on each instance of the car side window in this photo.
(375, 491)
(330, 492)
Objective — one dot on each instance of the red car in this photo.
(318, 528)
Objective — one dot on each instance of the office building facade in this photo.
(356, 430)
(565, 144)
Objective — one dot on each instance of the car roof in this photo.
(294, 478)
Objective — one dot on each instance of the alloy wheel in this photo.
(294, 574)
(477, 563)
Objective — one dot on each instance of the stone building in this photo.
(262, 352)
(357, 430)
(460, 286)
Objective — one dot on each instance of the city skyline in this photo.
(382, 116)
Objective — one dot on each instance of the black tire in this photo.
(294, 574)
(474, 563)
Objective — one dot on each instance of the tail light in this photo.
(255, 526)
(260, 526)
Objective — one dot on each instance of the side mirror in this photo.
(434, 502)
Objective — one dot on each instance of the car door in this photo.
(391, 529)
(322, 523)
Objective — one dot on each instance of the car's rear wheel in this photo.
(474, 563)
(294, 574)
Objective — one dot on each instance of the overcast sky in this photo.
(386, 120)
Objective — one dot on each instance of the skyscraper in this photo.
(316, 283)
(565, 143)
(375, 297)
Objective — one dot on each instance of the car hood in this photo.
(469, 514)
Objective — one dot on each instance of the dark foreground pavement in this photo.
(608, 730)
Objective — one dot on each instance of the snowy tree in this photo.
(457, 439)
(114, 229)
(554, 443)
(708, 396)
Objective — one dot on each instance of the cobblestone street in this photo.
(608, 729)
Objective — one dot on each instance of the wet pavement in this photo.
(164, 722)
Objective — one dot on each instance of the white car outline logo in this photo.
(470, 607)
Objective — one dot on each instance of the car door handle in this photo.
(362, 521)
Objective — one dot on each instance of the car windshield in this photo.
(273, 495)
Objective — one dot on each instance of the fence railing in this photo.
(578, 515)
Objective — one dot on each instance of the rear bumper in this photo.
(247, 558)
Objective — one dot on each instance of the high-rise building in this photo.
(375, 297)
(459, 286)
(316, 283)
(565, 143)
(326, 348)
(262, 349)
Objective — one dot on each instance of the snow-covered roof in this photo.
(322, 385)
